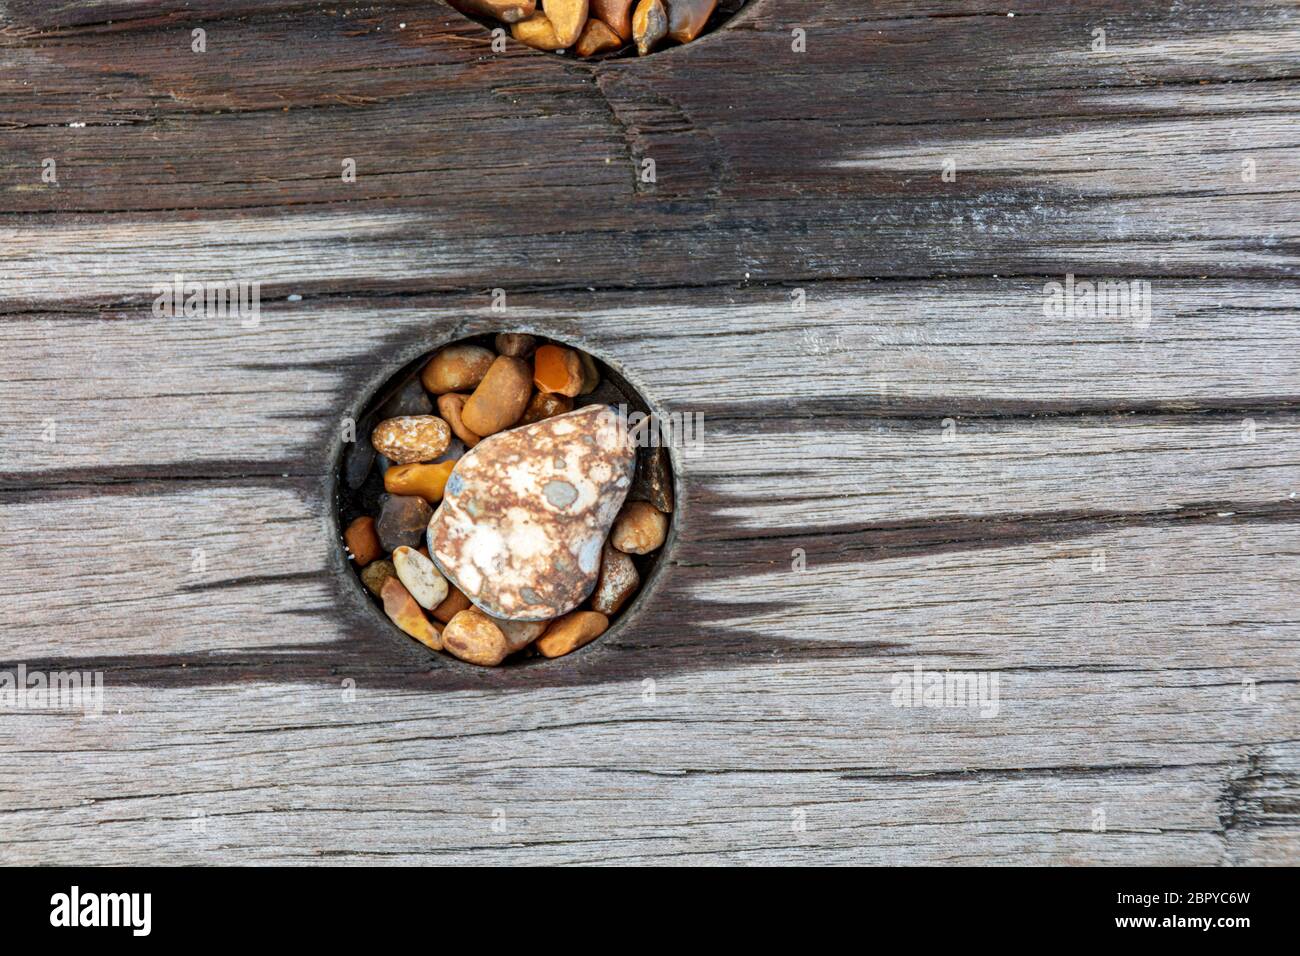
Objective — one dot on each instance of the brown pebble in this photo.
(374, 574)
(618, 581)
(616, 14)
(515, 344)
(571, 632)
(543, 405)
(450, 407)
(687, 18)
(474, 638)
(455, 603)
(403, 611)
(411, 438)
(402, 521)
(507, 11)
(536, 31)
(362, 541)
(649, 25)
(639, 528)
(500, 398)
(456, 368)
(567, 18)
(654, 478)
(597, 37)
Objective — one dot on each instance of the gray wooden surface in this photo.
(921, 468)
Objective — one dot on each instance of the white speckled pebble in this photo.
(420, 577)
(526, 511)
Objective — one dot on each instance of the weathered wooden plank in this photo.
(710, 769)
(796, 474)
(145, 571)
(833, 173)
(175, 573)
(1105, 535)
(132, 394)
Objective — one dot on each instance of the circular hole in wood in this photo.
(536, 537)
(600, 29)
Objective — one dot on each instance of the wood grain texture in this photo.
(919, 468)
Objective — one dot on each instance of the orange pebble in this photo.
(403, 611)
(499, 399)
(597, 37)
(427, 481)
(362, 541)
(473, 637)
(557, 369)
(571, 632)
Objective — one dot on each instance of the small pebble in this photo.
(597, 37)
(687, 18)
(507, 11)
(410, 399)
(358, 459)
(455, 603)
(618, 581)
(500, 398)
(515, 344)
(567, 19)
(456, 368)
(402, 521)
(455, 450)
(571, 632)
(472, 637)
(450, 406)
(616, 14)
(362, 541)
(536, 31)
(639, 529)
(543, 405)
(557, 370)
(411, 438)
(426, 481)
(374, 574)
(649, 25)
(420, 577)
(403, 611)
(653, 481)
